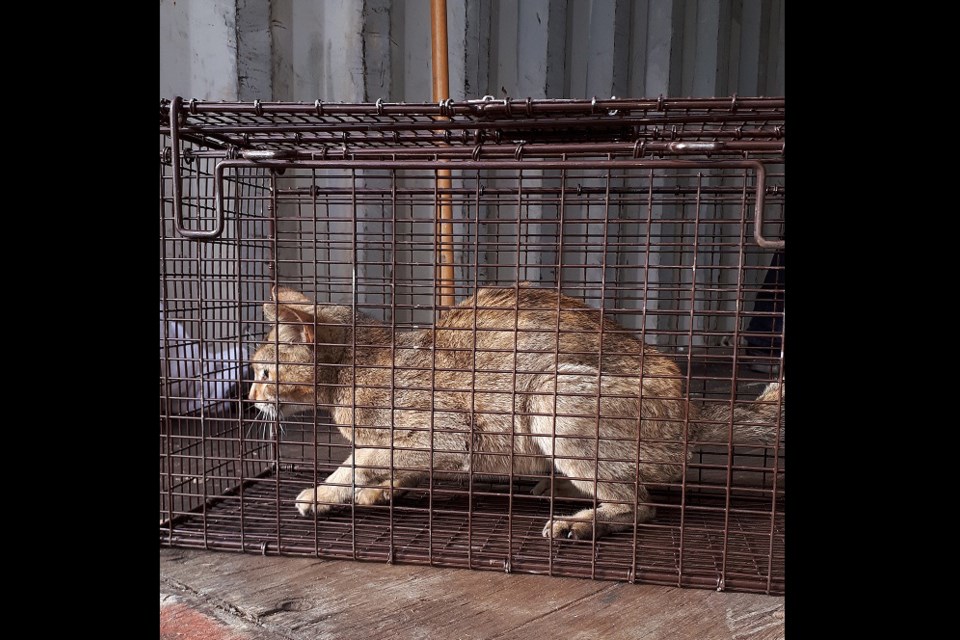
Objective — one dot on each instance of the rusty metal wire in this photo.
(666, 216)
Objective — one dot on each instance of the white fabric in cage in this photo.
(197, 378)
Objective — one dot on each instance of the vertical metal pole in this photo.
(443, 238)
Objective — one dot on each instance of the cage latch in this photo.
(758, 221)
(195, 234)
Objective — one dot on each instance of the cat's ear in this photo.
(289, 296)
(293, 324)
(285, 295)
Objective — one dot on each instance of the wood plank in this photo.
(307, 598)
(185, 616)
(253, 585)
(341, 599)
(655, 613)
(445, 603)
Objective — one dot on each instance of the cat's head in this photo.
(285, 366)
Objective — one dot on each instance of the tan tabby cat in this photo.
(492, 393)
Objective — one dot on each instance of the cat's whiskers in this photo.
(268, 415)
(259, 424)
(266, 432)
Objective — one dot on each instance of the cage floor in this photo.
(451, 530)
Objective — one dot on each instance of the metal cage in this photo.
(659, 221)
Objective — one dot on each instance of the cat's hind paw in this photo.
(571, 529)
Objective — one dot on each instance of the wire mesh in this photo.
(474, 431)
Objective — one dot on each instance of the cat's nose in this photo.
(254, 392)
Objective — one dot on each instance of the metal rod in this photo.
(745, 106)
(441, 92)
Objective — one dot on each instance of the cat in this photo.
(487, 375)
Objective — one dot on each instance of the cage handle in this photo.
(281, 161)
(758, 236)
(195, 234)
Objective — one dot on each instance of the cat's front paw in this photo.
(308, 502)
(376, 495)
(372, 495)
(561, 528)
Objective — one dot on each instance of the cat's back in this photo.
(542, 320)
(529, 320)
(508, 308)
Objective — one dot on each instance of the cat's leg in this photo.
(610, 516)
(596, 448)
(604, 467)
(338, 488)
(410, 467)
(612, 479)
(373, 482)
(412, 459)
(381, 494)
(562, 488)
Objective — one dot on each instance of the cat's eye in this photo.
(265, 375)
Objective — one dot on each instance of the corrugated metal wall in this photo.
(353, 50)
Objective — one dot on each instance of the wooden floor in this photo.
(228, 596)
